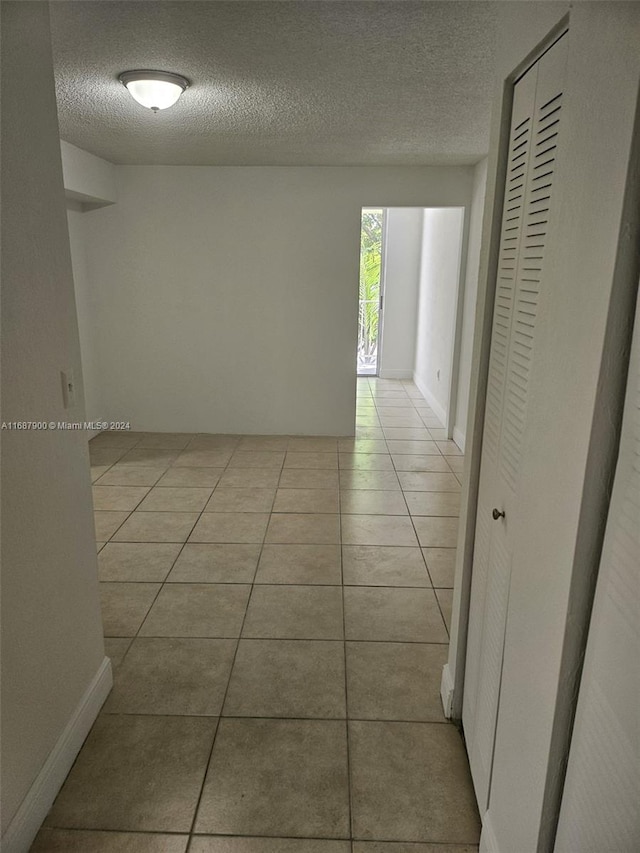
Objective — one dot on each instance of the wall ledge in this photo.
(35, 806)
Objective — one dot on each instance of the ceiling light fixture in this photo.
(155, 90)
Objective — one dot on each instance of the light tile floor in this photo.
(276, 610)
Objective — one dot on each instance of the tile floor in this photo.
(276, 611)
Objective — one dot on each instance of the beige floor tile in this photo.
(377, 480)
(287, 678)
(395, 681)
(411, 782)
(241, 500)
(86, 841)
(406, 434)
(311, 459)
(175, 499)
(172, 676)
(420, 462)
(295, 612)
(106, 455)
(401, 421)
(362, 445)
(191, 477)
(311, 444)
(456, 463)
(209, 441)
(372, 565)
(116, 438)
(445, 600)
(277, 777)
(308, 478)
(409, 447)
(372, 502)
(137, 561)
(307, 500)
(157, 527)
(433, 503)
(449, 448)
(197, 610)
(249, 478)
(438, 433)
(136, 773)
(369, 432)
(393, 614)
(203, 458)
(130, 475)
(148, 457)
(377, 530)
(412, 481)
(441, 563)
(409, 847)
(238, 527)
(210, 563)
(116, 648)
(402, 410)
(107, 522)
(304, 528)
(97, 471)
(100, 546)
(256, 459)
(365, 461)
(436, 532)
(166, 440)
(299, 564)
(124, 606)
(220, 844)
(263, 442)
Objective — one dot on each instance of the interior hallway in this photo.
(276, 611)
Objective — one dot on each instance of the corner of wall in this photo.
(39, 799)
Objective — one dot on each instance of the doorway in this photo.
(371, 287)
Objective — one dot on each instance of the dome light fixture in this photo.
(155, 90)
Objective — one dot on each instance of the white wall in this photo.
(437, 303)
(403, 249)
(52, 647)
(227, 297)
(88, 319)
(569, 440)
(469, 304)
(87, 178)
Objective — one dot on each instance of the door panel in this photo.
(534, 135)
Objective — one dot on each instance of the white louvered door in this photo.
(534, 135)
(601, 801)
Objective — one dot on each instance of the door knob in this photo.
(497, 514)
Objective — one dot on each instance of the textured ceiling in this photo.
(303, 82)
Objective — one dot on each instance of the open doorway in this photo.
(370, 290)
(410, 312)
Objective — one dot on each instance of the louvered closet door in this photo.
(601, 802)
(533, 143)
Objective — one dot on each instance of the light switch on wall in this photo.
(68, 389)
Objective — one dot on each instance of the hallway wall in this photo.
(469, 305)
(53, 663)
(227, 296)
(402, 252)
(437, 303)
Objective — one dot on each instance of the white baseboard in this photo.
(459, 437)
(488, 843)
(446, 691)
(440, 413)
(395, 373)
(35, 806)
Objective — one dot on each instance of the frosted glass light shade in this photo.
(155, 90)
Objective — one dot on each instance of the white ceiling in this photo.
(304, 82)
